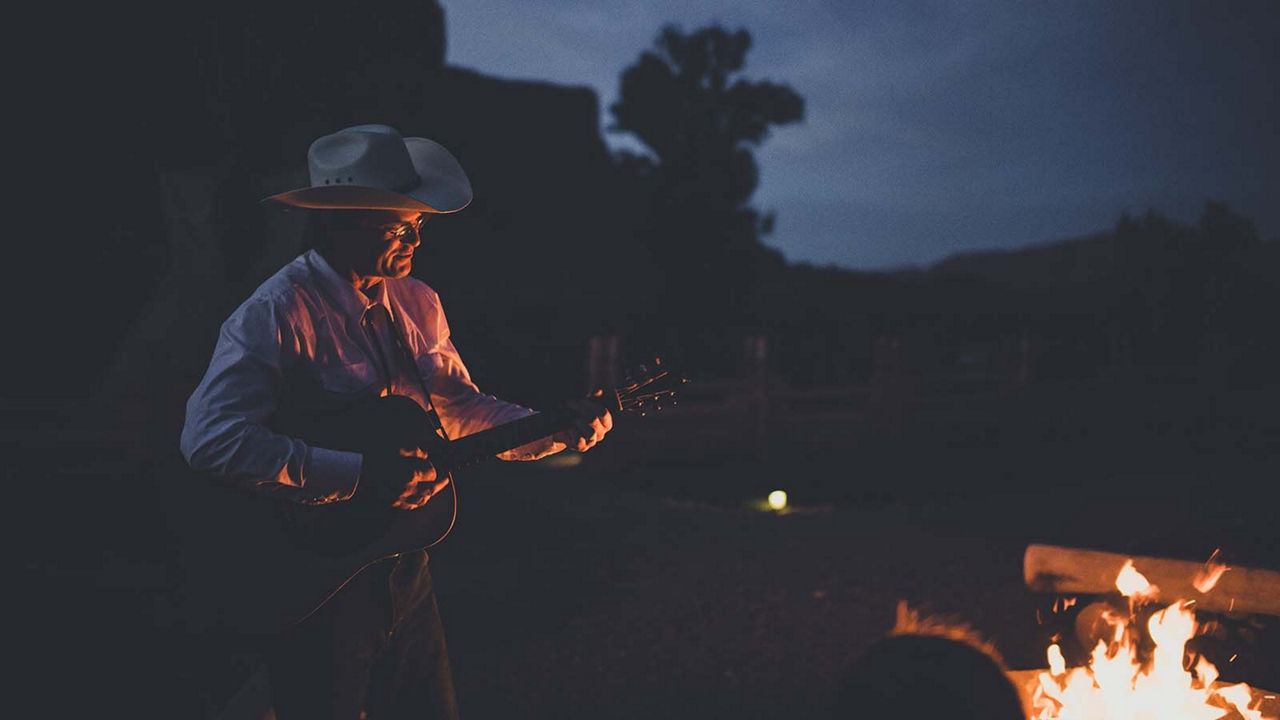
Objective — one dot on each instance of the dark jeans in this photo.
(376, 646)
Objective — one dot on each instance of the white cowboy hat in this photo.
(371, 167)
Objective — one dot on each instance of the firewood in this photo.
(1066, 571)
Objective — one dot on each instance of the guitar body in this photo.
(258, 564)
(290, 558)
(280, 579)
(388, 425)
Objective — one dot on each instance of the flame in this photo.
(1057, 665)
(1133, 584)
(1240, 696)
(1210, 574)
(1206, 671)
(1118, 685)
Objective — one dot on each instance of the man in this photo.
(344, 319)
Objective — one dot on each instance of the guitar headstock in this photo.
(647, 387)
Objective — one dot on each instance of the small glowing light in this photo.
(778, 499)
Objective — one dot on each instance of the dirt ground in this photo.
(639, 603)
(634, 584)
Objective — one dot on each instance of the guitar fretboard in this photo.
(485, 444)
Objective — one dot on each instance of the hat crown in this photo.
(372, 167)
(365, 155)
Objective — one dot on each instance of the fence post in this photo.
(755, 353)
(602, 362)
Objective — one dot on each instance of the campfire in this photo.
(1132, 676)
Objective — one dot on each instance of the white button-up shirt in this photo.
(307, 319)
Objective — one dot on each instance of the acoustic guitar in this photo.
(279, 560)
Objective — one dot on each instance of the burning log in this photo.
(1214, 587)
(1126, 678)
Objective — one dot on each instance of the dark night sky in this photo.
(936, 127)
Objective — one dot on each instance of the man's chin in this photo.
(400, 269)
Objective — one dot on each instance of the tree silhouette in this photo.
(687, 101)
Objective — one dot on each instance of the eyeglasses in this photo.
(400, 231)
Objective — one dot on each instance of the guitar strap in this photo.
(411, 365)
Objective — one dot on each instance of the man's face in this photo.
(381, 243)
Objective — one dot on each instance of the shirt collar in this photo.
(380, 296)
(340, 290)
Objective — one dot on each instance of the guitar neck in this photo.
(485, 444)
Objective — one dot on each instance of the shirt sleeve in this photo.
(462, 408)
(225, 431)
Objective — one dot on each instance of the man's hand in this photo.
(591, 423)
(398, 481)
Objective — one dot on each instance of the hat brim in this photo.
(443, 187)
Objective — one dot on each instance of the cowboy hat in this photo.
(371, 167)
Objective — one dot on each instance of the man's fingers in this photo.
(420, 493)
(424, 491)
(600, 426)
(439, 485)
(590, 436)
(591, 424)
